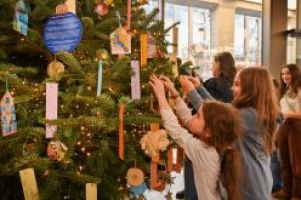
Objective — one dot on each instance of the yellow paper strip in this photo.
(29, 184)
(91, 191)
(71, 5)
(143, 50)
(175, 40)
(174, 67)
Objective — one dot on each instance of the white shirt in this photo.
(289, 104)
(204, 158)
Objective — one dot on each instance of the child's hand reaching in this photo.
(187, 85)
(195, 81)
(169, 85)
(158, 89)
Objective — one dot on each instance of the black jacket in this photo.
(220, 89)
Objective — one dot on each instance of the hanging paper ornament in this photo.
(143, 50)
(135, 80)
(56, 150)
(29, 184)
(154, 142)
(8, 115)
(99, 79)
(120, 41)
(121, 132)
(151, 46)
(55, 68)
(51, 108)
(101, 8)
(63, 32)
(20, 23)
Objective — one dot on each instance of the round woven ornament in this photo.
(55, 68)
(135, 177)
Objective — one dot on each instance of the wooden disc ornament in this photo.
(55, 68)
(135, 177)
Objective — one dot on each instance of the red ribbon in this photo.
(121, 134)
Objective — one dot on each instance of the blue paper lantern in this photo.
(63, 32)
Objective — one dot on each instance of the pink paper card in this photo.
(135, 80)
(51, 107)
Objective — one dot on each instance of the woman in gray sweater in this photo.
(257, 104)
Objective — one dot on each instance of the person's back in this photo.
(257, 174)
(219, 88)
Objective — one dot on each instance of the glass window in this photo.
(181, 15)
(248, 45)
(149, 7)
(193, 31)
(239, 38)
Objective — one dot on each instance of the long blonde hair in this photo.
(257, 92)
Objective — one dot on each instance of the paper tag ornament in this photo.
(8, 115)
(121, 133)
(71, 5)
(99, 78)
(91, 191)
(151, 46)
(63, 32)
(143, 50)
(20, 23)
(120, 41)
(51, 108)
(135, 80)
(29, 184)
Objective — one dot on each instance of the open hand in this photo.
(157, 86)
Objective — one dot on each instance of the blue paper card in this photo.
(20, 23)
(63, 32)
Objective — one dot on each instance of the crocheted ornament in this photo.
(154, 142)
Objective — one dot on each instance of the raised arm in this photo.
(182, 111)
(170, 122)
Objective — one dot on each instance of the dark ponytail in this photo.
(231, 174)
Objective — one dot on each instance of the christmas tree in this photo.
(88, 121)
